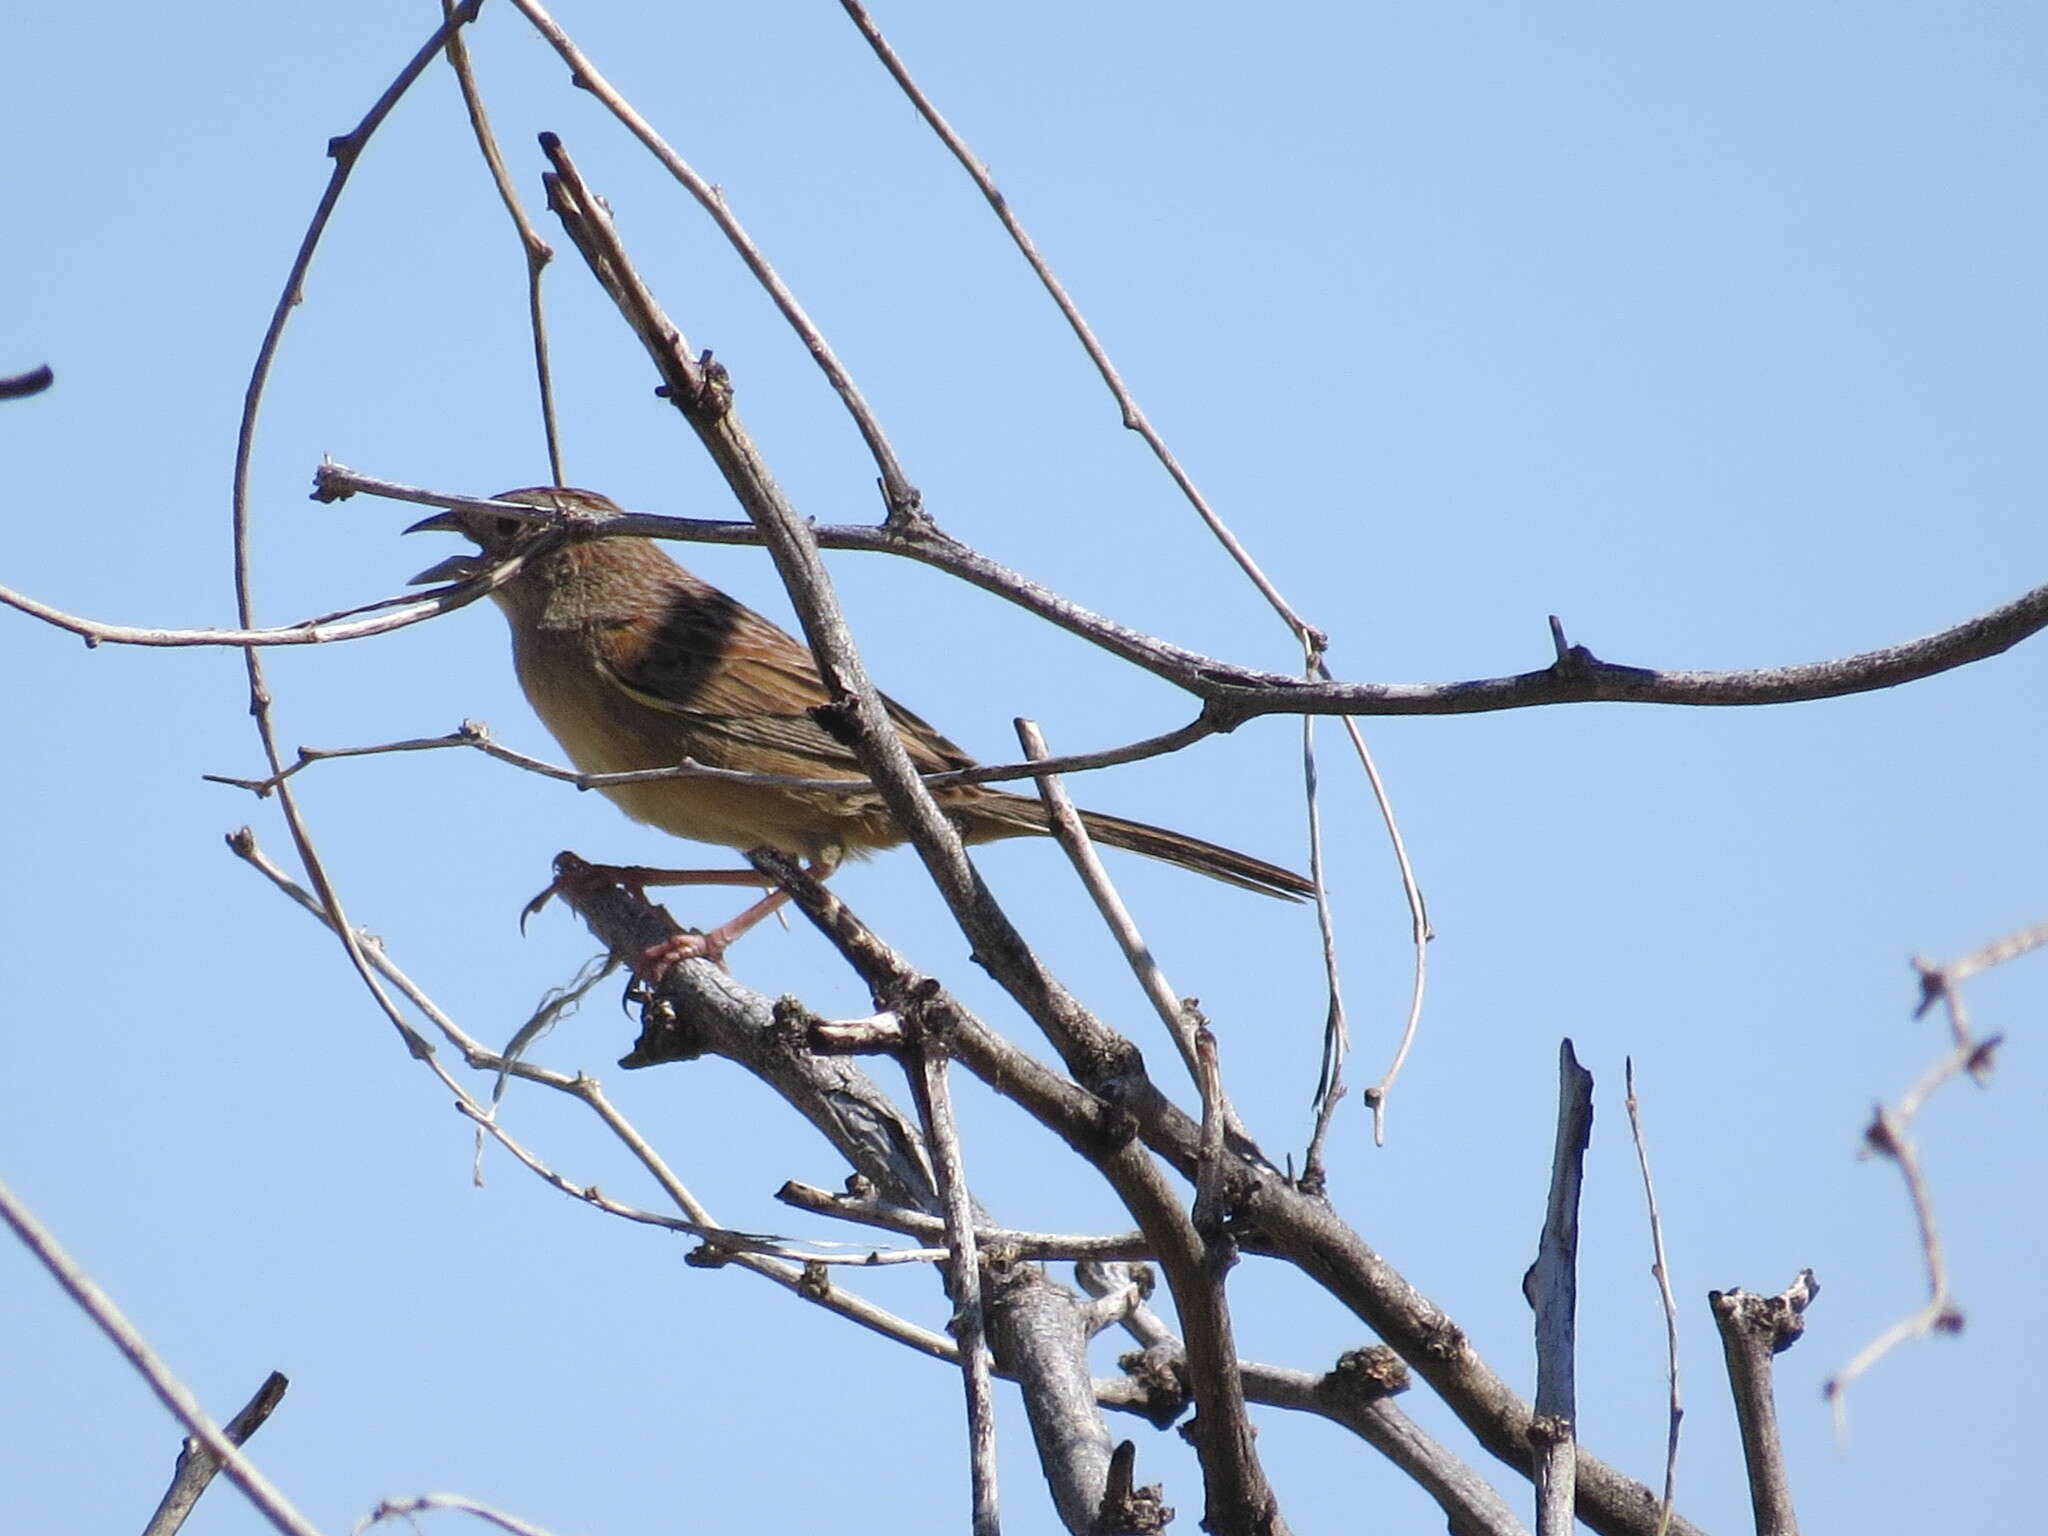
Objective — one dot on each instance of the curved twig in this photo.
(536, 251)
(901, 496)
(344, 151)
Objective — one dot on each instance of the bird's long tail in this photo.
(1211, 859)
(1026, 815)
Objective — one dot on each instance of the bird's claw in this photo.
(554, 889)
(573, 874)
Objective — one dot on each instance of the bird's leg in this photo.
(710, 945)
(713, 944)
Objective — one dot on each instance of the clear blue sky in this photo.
(1715, 331)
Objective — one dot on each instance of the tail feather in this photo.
(1211, 859)
(1000, 814)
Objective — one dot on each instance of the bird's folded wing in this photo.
(749, 695)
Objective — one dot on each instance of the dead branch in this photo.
(1754, 1329)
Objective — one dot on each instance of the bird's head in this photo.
(498, 535)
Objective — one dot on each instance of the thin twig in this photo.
(1181, 1017)
(170, 1391)
(1887, 1136)
(536, 251)
(1660, 1267)
(1997, 952)
(1035, 1246)
(927, 1071)
(1336, 1031)
(791, 1276)
(197, 1466)
(412, 608)
(1133, 416)
(477, 735)
(1314, 641)
(696, 1220)
(1073, 838)
(345, 151)
(426, 1503)
(900, 495)
(1419, 931)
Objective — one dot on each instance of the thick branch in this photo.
(1553, 1287)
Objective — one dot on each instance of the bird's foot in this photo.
(656, 960)
(712, 945)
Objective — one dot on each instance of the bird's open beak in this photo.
(455, 567)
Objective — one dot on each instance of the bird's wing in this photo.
(747, 690)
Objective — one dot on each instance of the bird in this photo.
(633, 662)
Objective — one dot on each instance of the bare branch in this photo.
(721, 1243)
(1039, 1247)
(1073, 840)
(1358, 1393)
(1313, 640)
(197, 1466)
(411, 608)
(1418, 931)
(926, 1066)
(19, 386)
(1297, 1226)
(1887, 1136)
(1133, 417)
(1239, 1499)
(476, 734)
(1953, 975)
(426, 1503)
(344, 151)
(1660, 1267)
(171, 1392)
(1753, 1330)
(901, 496)
(1034, 1324)
(1553, 1287)
(1235, 694)
(536, 251)
(1330, 1088)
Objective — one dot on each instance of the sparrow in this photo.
(633, 662)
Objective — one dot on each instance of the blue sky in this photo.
(1716, 332)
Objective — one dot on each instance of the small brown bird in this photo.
(633, 662)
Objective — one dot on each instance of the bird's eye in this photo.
(507, 526)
